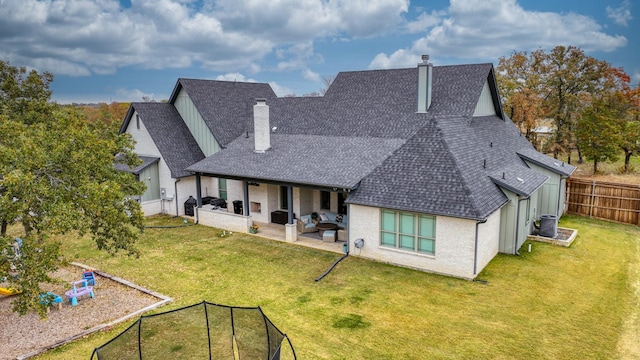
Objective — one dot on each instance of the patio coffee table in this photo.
(326, 226)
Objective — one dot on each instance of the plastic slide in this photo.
(8, 292)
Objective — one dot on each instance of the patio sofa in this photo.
(330, 217)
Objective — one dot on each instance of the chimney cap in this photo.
(261, 100)
(425, 58)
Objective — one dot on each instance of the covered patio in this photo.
(239, 223)
(276, 232)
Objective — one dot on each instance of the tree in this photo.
(599, 134)
(111, 114)
(631, 134)
(570, 74)
(520, 82)
(559, 83)
(57, 177)
(327, 80)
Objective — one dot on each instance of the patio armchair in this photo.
(306, 224)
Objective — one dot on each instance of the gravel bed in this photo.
(27, 334)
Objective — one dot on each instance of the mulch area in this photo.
(27, 335)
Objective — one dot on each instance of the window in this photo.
(408, 231)
(325, 200)
(284, 198)
(137, 121)
(222, 188)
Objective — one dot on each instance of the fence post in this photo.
(593, 196)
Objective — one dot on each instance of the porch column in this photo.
(290, 230)
(245, 203)
(198, 190)
(290, 204)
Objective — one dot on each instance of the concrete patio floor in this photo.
(312, 240)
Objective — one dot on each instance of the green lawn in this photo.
(552, 303)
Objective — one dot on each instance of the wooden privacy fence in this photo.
(604, 200)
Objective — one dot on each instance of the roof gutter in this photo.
(325, 187)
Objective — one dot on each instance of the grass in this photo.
(560, 303)
(610, 171)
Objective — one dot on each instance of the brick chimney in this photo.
(425, 78)
(261, 129)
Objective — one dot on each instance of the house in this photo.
(430, 172)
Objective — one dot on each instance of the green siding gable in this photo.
(194, 121)
(485, 105)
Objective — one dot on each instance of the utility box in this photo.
(189, 205)
(549, 226)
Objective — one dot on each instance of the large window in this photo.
(222, 188)
(408, 231)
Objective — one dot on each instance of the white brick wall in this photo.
(186, 186)
(455, 243)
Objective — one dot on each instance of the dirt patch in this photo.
(24, 336)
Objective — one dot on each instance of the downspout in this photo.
(175, 194)
(518, 225)
(559, 193)
(475, 247)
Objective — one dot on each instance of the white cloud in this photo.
(424, 21)
(83, 37)
(288, 21)
(234, 77)
(488, 29)
(620, 15)
(280, 90)
(127, 95)
(399, 59)
(310, 75)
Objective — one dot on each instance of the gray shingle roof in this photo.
(421, 176)
(547, 162)
(146, 162)
(170, 134)
(519, 179)
(225, 106)
(313, 160)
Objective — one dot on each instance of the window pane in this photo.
(426, 246)
(388, 239)
(222, 188)
(406, 242)
(427, 226)
(388, 220)
(407, 223)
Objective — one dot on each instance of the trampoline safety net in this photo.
(199, 331)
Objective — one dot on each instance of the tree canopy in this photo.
(580, 95)
(57, 176)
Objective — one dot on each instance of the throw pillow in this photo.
(339, 218)
(304, 219)
(323, 217)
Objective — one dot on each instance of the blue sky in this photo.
(110, 50)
